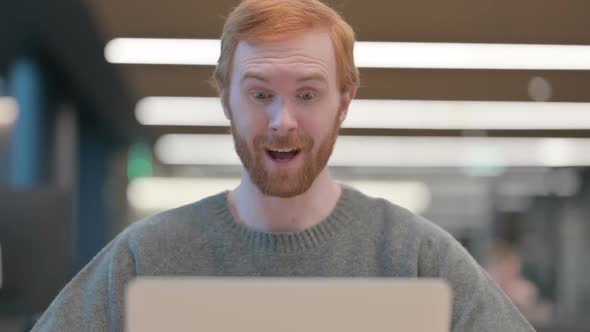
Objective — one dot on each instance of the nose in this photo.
(282, 120)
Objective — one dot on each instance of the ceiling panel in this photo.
(497, 21)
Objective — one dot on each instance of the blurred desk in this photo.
(10, 324)
(35, 232)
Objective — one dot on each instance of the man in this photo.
(286, 77)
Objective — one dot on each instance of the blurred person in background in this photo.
(504, 265)
(286, 77)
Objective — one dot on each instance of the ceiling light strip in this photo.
(371, 54)
(391, 114)
(160, 193)
(360, 151)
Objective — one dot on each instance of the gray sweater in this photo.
(363, 237)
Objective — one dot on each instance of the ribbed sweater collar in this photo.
(339, 218)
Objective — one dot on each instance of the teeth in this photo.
(284, 150)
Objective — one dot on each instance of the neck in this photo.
(275, 214)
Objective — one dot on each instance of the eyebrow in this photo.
(312, 77)
(306, 78)
(253, 75)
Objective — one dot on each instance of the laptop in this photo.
(287, 304)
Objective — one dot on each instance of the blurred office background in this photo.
(475, 114)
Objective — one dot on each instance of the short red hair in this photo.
(261, 21)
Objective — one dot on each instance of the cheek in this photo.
(322, 121)
(247, 120)
(317, 131)
(254, 125)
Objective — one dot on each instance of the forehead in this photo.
(307, 53)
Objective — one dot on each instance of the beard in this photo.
(280, 182)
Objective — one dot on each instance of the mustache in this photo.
(291, 141)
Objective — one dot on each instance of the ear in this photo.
(224, 96)
(347, 97)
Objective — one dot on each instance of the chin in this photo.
(282, 188)
(282, 193)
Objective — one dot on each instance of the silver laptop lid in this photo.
(288, 305)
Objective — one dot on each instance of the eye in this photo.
(307, 95)
(261, 95)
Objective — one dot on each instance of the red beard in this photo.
(283, 182)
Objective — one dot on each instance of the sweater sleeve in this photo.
(478, 303)
(93, 299)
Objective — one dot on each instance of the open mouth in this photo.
(282, 155)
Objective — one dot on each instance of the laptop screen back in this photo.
(287, 305)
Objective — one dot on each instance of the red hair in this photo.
(260, 21)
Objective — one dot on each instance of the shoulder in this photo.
(185, 223)
(389, 216)
(405, 231)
